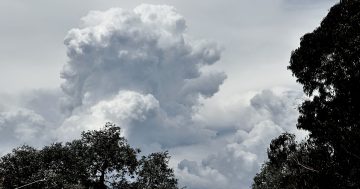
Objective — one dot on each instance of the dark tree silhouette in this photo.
(20, 167)
(296, 165)
(100, 159)
(106, 155)
(327, 64)
(154, 172)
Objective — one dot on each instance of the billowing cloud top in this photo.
(145, 50)
(138, 69)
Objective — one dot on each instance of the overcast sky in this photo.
(204, 79)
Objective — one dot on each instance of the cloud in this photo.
(21, 126)
(137, 68)
(123, 109)
(242, 149)
(140, 69)
(145, 50)
(29, 118)
(229, 112)
(44, 102)
(239, 159)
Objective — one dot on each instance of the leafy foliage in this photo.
(100, 159)
(327, 64)
(295, 165)
(154, 172)
(23, 162)
(106, 154)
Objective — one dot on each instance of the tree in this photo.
(295, 165)
(51, 167)
(105, 154)
(100, 159)
(20, 167)
(61, 167)
(327, 64)
(154, 172)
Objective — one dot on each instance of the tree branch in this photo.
(305, 166)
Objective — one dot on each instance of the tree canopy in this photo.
(100, 159)
(327, 64)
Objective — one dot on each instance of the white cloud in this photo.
(140, 69)
(241, 150)
(123, 109)
(145, 50)
(21, 126)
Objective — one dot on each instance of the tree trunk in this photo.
(102, 176)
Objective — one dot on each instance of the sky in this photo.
(205, 80)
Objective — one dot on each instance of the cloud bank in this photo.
(238, 153)
(140, 69)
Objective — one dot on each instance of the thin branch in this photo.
(304, 166)
(42, 180)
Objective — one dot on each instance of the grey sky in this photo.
(258, 36)
(227, 111)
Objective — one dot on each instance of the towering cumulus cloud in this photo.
(138, 69)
